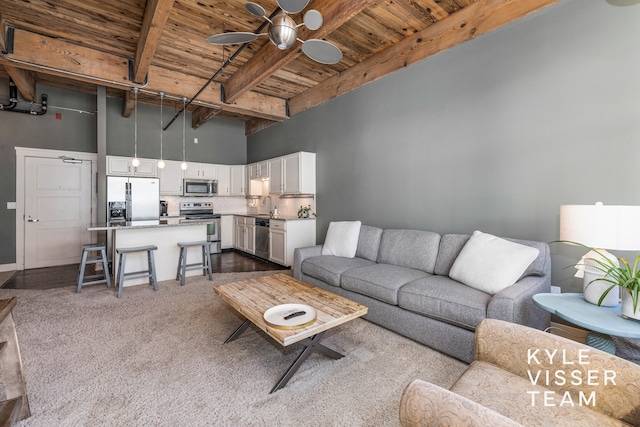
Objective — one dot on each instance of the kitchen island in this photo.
(163, 233)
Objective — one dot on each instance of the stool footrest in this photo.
(93, 259)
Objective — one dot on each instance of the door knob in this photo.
(32, 220)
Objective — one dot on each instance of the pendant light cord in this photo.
(161, 98)
(135, 122)
(184, 109)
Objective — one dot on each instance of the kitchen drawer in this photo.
(278, 225)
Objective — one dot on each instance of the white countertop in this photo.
(163, 222)
(265, 216)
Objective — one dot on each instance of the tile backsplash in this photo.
(287, 207)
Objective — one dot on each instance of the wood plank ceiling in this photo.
(80, 44)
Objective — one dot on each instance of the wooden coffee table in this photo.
(251, 298)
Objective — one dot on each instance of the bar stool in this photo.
(94, 259)
(150, 272)
(183, 267)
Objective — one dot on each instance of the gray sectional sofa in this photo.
(403, 277)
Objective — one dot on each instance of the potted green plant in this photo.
(305, 212)
(623, 275)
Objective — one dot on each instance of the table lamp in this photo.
(600, 227)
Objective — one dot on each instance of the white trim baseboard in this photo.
(7, 267)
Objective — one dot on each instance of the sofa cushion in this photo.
(452, 244)
(369, 242)
(491, 264)
(450, 247)
(442, 298)
(409, 248)
(512, 396)
(328, 268)
(342, 239)
(379, 281)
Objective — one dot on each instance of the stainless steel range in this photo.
(198, 211)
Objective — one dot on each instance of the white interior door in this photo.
(57, 211)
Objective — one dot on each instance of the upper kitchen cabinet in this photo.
(293, 174)
(238, 180)
(122, 166)
(259, 170)
(224, 180)
(171, 178)
(201, 171)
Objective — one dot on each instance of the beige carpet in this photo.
(157, 359)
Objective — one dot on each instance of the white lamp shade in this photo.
(600, 226)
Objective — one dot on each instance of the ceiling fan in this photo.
(283, 31)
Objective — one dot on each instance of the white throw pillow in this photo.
(491, 264)
(342, 239)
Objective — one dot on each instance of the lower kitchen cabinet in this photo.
(286, 236)
(245, 234)
(227, 228)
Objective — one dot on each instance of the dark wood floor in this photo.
(67, 275)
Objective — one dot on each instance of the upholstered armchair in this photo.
(523, 376)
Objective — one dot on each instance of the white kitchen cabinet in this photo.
(122, 166)
(245, 230)
(201, 170)
(239, 242)
(227, 230)
(259, 170)
(275, 176)
(293, 174)
(224, 180)
(286, 236)
(170, 178)
(238, 177)
(250, 235)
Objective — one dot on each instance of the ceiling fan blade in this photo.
(255, 9)
(232, 38)
(322, 51)
(292, 6)
(312, 19)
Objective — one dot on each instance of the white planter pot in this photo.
(627, 306)
(592, 291)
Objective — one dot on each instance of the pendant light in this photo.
(135, 162)
(161, 162)
(184, 114)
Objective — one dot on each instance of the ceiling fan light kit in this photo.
(283, 31)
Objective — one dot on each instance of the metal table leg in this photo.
(238, 331)
(311, 344)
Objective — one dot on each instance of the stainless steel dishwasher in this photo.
(262, 238)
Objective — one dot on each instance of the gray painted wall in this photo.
(493, 135)
(73, 132)
(220, 141)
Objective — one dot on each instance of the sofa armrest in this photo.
(426, 404)
(614, 383)
(515, 304)
(300, 254)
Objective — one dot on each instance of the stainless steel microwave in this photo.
(199, 187)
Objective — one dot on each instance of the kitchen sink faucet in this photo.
(263, 202)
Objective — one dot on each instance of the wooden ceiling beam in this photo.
(58, 57)
(201, 115)
(155, 18)
(254, 125)
(469, 23)
(25, 82)
(128, 103)
(269, 58)
(3, 33)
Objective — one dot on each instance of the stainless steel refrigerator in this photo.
(138, 197)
